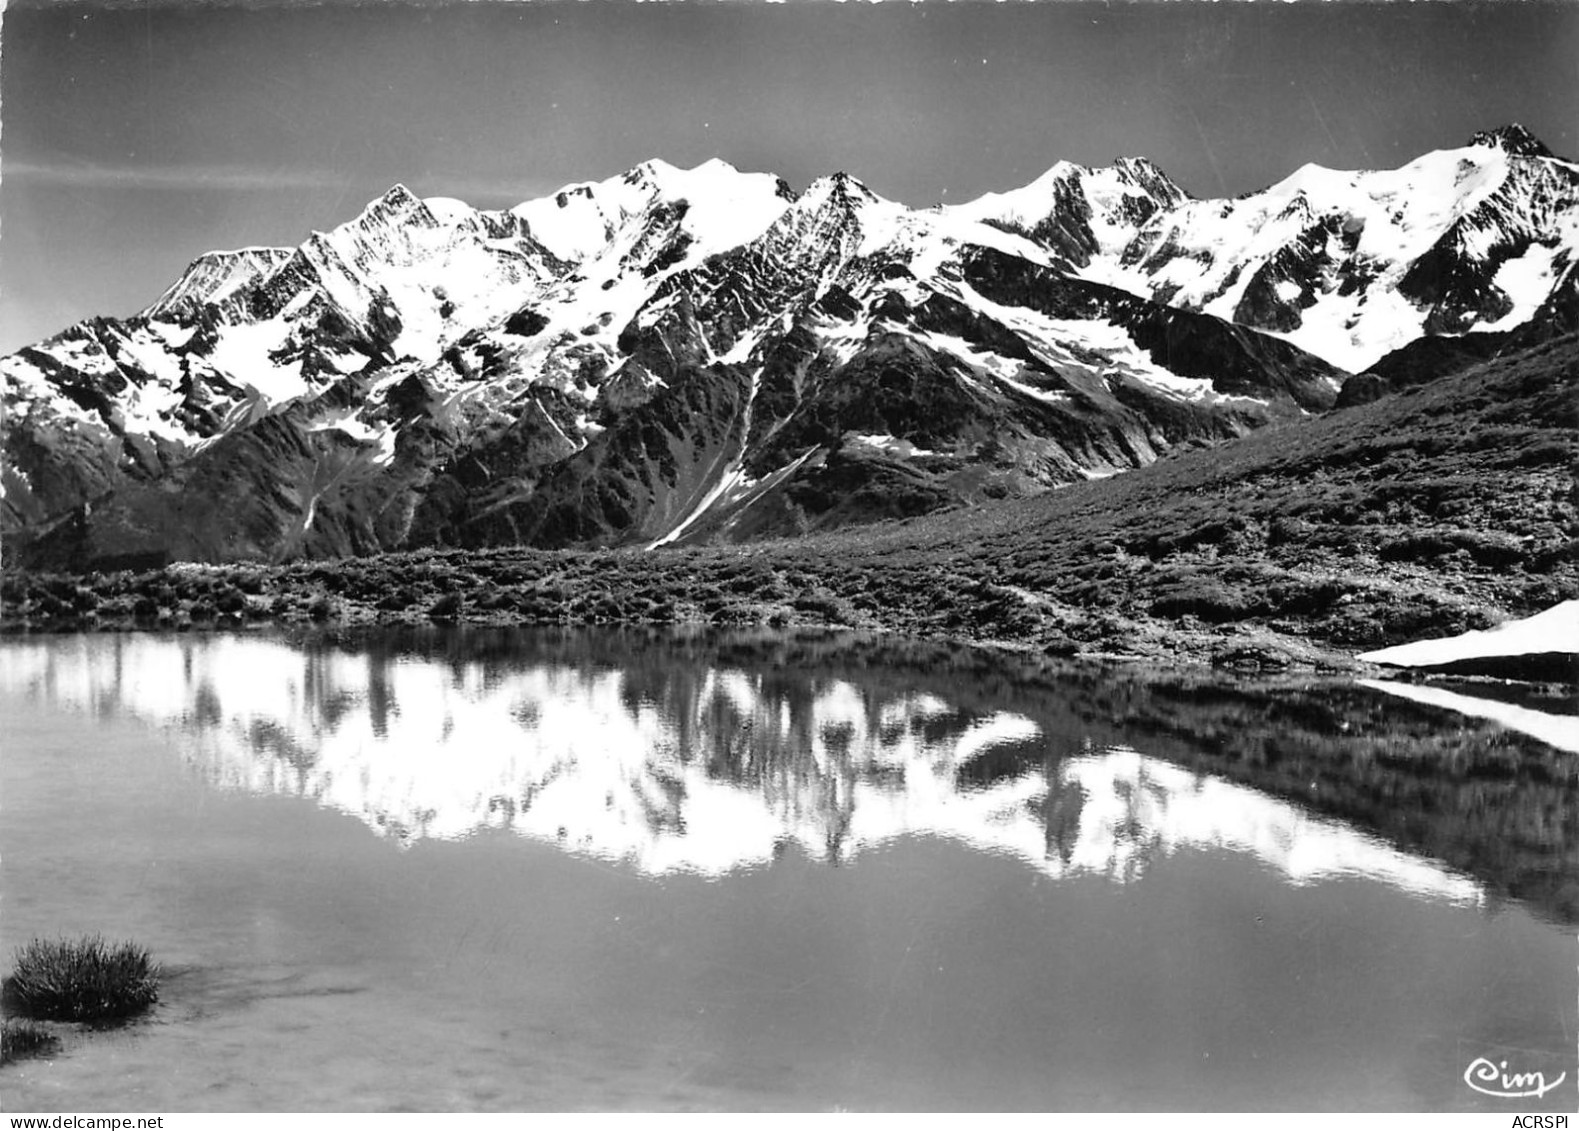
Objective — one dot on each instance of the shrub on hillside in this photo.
(1207, 598)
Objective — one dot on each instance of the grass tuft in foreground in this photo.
(22, 1039)
(84, 979)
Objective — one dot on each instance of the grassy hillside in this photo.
(1448, 507)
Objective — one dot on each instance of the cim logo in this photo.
(1495, 1080)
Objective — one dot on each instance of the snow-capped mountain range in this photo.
(681, 355)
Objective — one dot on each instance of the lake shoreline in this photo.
(447, 587)
(758, 587)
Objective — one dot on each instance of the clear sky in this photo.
(133, 137)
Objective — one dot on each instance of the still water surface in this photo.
(513, 870)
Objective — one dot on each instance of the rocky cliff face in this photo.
(683, 355)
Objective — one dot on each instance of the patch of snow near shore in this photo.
(1561, 731)
(1555, 630)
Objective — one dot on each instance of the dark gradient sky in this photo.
(135, 139)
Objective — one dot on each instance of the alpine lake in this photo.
(471, 869)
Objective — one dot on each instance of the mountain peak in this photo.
(1137, 164)
(658, 173)
(1513, 139)
(839, 186)
(1060, 170)
(653, 169)
(398, 196)
(1148, 175)
(399, 201)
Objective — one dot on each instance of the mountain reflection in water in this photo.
(708, 755)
